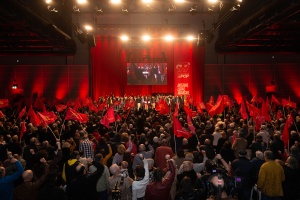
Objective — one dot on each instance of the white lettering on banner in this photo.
(183, 76)
(181, 88)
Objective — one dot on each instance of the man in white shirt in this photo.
(141, 180)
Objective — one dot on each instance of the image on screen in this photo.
(147, 73)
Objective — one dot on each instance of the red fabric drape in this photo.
(109, 58)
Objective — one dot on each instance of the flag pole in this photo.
(175, 144)
(63, 123)
(51, 131)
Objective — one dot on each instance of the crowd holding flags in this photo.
(258, 109)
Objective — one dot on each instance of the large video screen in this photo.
(147, 73)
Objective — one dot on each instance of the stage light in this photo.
(190, 38)
(146, 38)
(213, 1)
(14, 85)
(81, 1)
(178, 1)
(76, 9)
(168, 38)
(48, 1)
(51, 8)
(171, 8)
(115, 1)
(98, 9)
(124, 38)
(124, 10)
(147, 1)
(88, 27)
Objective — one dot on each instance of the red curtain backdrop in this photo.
(109, 58)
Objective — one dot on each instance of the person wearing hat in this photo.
(244, 175)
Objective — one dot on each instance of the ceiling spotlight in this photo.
(179, 1)
(147, 1)
(236, 7)
(193, 9)
(48, 1)
(125, 10)
(146, 38)
(98, 9)
(88, 27)
(81, 1)
(51, 9)
(115, 1)
(171, 8)
(190, 38)
(168, 38)
(124, 38)
(76, 9)
(14, 85)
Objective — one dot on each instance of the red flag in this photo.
(118, 117)
(34, 119)
(129, 104)
(254, 99)
(70, 103)
(92, 107)
(210, 104)
(108, 118)
(73, 115)
(4, 103)
(285, 134)
(60, 107)
(254, 111)
(190, 125)
(178, 130)
(258, 121)
(265, 112)
(23, 129)
(22, 113)
(176, 109)
(116, 102)
(243, 111)
(279, 114)
(274, 100)
(199, 108)
(218, 108)
(77, 105)
(102, 105)
(86, 101)
(48, 117)
(1, 114)
(189, 111)
(84, 118)
(288, 103)
(162, 107)
(38, 104)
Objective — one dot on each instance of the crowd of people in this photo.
(139, 156)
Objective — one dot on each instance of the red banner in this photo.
(182, 79)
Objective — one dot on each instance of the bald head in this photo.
(27, 176)
(142, 147)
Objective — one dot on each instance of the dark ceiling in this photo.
(30, 27)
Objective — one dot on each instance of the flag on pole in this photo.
(23, 129)
(179, 131)
(218, 108)
(243, 111)
(34, 119)
(22, 113)
(73, 115)
(4, 103)
(60, 107)
(275, 100)
(108, 118)
(190, 125)
(162, 107)
(286, 133)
